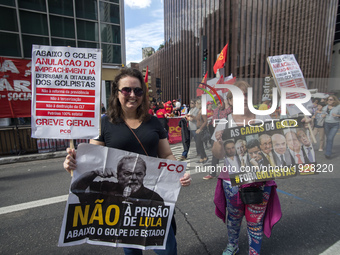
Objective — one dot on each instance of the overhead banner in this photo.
(270, 150)
(15, 88)
(66, 85)
(120, 199)
(287, 74)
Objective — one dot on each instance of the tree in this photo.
(160, 47)
(149, 53)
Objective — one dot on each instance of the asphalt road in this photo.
(310, 206)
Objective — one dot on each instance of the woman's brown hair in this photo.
(115, 111)
(335, 100)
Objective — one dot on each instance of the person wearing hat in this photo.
(265, 103)
(168, 107)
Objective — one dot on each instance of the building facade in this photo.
(334, 81)
(75, 23)
(156, 68)
(253, 30)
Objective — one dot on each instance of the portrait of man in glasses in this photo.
(130, 174)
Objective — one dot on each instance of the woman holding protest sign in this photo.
(129, 127)
(228, 196)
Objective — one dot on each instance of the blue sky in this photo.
(144, 27)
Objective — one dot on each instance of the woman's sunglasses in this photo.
(126, 91)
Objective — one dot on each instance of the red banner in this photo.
(174, 130)
(15, 88)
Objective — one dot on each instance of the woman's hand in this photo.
(70, 163)
(198, 131)
(185, 180)
(306, 119)
(218, 135)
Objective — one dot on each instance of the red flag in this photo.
(221, 59)
(146, 81)
(146, 76)
(199, 92)
(221, 81)
(231, 81)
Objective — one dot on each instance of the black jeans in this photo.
(214, 162)
(200, 146)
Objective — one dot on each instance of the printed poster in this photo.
(287, 74)
(15, 88)
(120, 199)
(267, 151)
(66, 85)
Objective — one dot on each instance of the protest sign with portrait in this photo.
(268, 150)
(120, 199)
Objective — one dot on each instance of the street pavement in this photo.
(310, 207)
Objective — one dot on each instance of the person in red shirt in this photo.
(210, 111)
(168, 107)
(162, 115)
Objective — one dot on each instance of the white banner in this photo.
(120, 199)
(66, 85)
(287, 74)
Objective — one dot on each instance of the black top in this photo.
(119, 136)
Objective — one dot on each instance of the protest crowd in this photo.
(126, 180)
(255, 151)
(276, 149)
